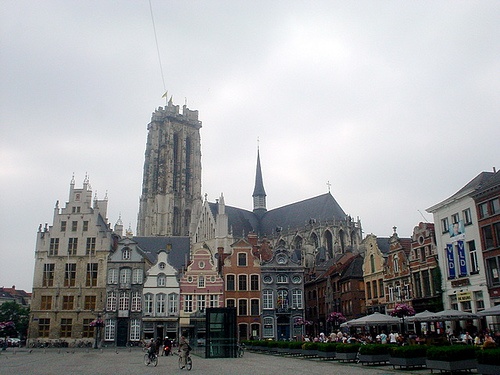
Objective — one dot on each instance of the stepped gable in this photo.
(296, 215)
(178, 255)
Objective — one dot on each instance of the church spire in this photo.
(259, 194)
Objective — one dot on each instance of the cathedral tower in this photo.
(171, 185)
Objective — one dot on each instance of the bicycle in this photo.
(151, 358)
(189, 362)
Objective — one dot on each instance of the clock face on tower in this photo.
(281, 259)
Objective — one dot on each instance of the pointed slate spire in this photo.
(259, 194)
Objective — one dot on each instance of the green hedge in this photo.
(348, 348)
(329, 347)
(488, 357)
(283, 344)
(310, 346)
(451, 353)
(408, 351)
(295, 344)
(374, 349)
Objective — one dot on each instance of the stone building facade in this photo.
(282, 284)
(425, 271)
(397, 275)
(69, 284)
(376, 250)
(126, 272)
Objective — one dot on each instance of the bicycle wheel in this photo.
(189, 363)
(155, 360)
(181, 363)
(146, 359)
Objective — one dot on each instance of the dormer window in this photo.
(126, 254)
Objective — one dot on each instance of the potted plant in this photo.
(347, 352)
(407, 356)
(310, 349)
(326, 350)
(374, 353)
(488, 361)
(403, 310)
(451, 358)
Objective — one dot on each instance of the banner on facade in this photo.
(462, 262)
(451, 261)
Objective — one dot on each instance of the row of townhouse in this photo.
(454, 264)
(149, 287)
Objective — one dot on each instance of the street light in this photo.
(98, 323)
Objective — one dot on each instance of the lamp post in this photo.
(97, 323)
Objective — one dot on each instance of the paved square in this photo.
(130, 361)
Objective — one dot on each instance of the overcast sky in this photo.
(395, 103)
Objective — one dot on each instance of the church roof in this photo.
(296, 215)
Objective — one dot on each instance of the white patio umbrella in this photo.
(492, 311)
(453, 315)
(375, 319)
(424, 316)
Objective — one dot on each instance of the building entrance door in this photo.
(122, 332)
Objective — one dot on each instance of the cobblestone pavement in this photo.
(130, 361)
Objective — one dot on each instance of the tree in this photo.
(18, 315)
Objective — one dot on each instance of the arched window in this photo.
(125, 275)
(162, 280)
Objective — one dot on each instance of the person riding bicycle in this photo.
(184, 350)
(151, 349)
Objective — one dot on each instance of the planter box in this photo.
(309, 353)
(466, 364)
(295, 351)
(373, 358)
(346, 357)
(326, 355)
(407, 362)
(488, 369)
